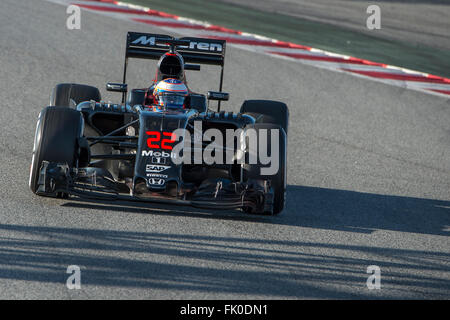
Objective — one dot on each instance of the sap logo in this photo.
(143, 40)
(217, 47)
(153, 168)
(156, 182)
(158, 154)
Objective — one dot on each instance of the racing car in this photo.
(87, 148)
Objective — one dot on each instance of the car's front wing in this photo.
(59, 180)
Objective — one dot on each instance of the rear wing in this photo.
(200, 50)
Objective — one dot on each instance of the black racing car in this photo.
(88, 148)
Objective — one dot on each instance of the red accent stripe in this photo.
(186, 25)
(127, 10)
(349, 60)
(156, 13)
(170, 24)
(441, 91)
(111, 9)
(265, 43)
(404, 77)
(222, 29)
(106, 1)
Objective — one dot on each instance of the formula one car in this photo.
(87, 148)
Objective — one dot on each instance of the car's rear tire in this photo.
(57, 133)
(66, 94)
(267, 111)
(278, 180)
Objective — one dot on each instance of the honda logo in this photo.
(156, 182)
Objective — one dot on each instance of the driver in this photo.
(169, 94)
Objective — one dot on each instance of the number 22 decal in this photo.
(155, 138)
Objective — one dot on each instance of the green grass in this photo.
(309, 33)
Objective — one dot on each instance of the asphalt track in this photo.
(368, 184)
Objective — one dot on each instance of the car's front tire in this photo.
(71, 94)
(254, 171)
(270, 114)
(56, 140)
(267, 111)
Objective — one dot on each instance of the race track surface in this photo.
(368, 184)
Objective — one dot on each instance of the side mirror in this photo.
(117, 87)
(195, 67)
(218, 96)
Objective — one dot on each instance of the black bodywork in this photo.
(116, 160)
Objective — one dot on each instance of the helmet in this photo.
(170, 93)
(170, 65)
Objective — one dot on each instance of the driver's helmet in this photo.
(170, 93)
